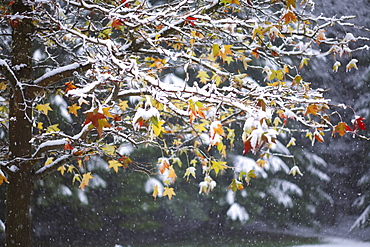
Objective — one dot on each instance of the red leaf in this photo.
(68, 146)
(190, 20)
(359, 123)
(117, 23)
(247, 147)
(97, 119)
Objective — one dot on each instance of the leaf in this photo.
(3, 178)
(295, 170)
(85, 180)
(53, 128)
(109, 149)
(97, 119)
(189, 171)
(289, 17)
(261, 162)
(312, 109)
(117, 24)
(215, 50)
(123, 104)
(235, 185)
(155, 192)
(304, 62)
(172, 174)
(114, 164)
(69, 86)
(203, 76)
(290, 4)
(45, 108)
(218, 166)
(352, 64)
(341, 128)
(62, 169)
(358, 122)
(169, 192)
(336, 65)
(49, 161)
(320, 36)
(73, 109)
(249, 176)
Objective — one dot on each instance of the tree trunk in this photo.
(18, 207)
(19, 190)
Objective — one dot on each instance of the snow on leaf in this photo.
(336, 65)
(189, 171)
(351, 64)
(295, 170)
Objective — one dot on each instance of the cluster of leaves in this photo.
(121, 50)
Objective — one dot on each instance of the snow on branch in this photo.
(362, 220)
(49, 145)
(60, 73)
(45, 170)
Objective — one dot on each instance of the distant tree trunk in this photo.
(19, 189)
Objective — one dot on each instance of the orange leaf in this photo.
(312, 109)
(69, 86)
(85, 180)
(341, 128)
(289, 17)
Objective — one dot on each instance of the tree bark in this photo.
(20, 187)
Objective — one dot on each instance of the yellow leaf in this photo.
(295, 170)
(114, 164)
(291, 142)
(61, 169)
(172, 173)
(2, 86)
(106, 112)
(76, 177)
(261, 163)
(169, 192)
(45, 108)
(218, 165)
(70, 168)
(53, 128)
(39, 125)
(3, 178)
(351, 64)
(304, 62)
(203, 76)
(73, 109)
(85, 180)
(49, 161)
(155, 192)
(123, 104)
(109, 149)
(189, 171)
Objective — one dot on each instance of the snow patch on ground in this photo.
(337, 242)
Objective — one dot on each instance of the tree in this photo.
(241, 66)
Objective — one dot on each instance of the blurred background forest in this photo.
(333, 192)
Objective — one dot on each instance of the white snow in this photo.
(2, 226)
(82, 196)
(337, 242)
(246, 164)
(237, 212)
(149, 186)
